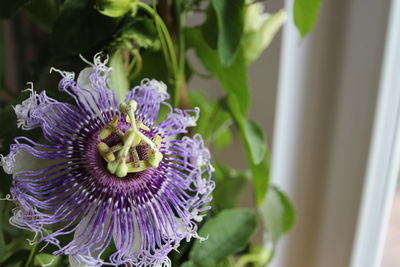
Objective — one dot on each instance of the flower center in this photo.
(118, 155)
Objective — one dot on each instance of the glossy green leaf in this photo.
(118, 78)
(229, 187)
(306, 14)
(260, 179)
(79, 28)
(233, 78)
(9, 8)
(255, 141)
(224, 236)
(230, 17)
(278, 214)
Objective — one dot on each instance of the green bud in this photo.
(116, 8)
(259, 30)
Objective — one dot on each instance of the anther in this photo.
(117, 164)
(109, 128)
(105, 152)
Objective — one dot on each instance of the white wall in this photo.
(325, 110)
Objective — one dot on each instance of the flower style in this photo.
(109, 173)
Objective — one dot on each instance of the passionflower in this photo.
(110, 174)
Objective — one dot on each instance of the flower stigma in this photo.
(123, 158)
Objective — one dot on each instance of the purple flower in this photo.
(109, 172)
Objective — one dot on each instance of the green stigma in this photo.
(118, 155)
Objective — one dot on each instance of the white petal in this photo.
(20, 160)
(83, 78)
(75, 261)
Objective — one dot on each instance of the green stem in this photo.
(164, 36)
(180, 21)
(2, 56)
(32, 254)
(168, 49)
(137, 61)
(246, 259)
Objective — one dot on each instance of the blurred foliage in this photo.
(153, 41)
(305, 14)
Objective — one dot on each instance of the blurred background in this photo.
(329, 104)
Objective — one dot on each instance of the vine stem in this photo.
(167, 46)
(31, 254)
(181, 99)
(163, 34)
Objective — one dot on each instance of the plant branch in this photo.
(165, 38)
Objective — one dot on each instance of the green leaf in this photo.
(225, 263)
(118, 78)
(260, 30)
(214, 121)
(230, 17)
(16, 259)
(223, 139)
(278, 214)
(2, 239)
(44, 12)
(117, 8)
(219, 124)
(141, 31)
(305, 15)
(260, 179)
(150, 59)
(9, 8)
(208, 29)
(188, 264)
(44, 259)
(255, 141)
(256, 150)
(224, 236)
(229, 187)
(79, 28)
(2, 57)
(200, 100)
(233, 78)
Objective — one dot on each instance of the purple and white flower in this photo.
(109, 173)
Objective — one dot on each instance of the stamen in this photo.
(139, 166)
(135, 155)
(105, 152)
(132, 138)
(109, 128)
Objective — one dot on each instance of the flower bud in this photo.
(115, 8)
